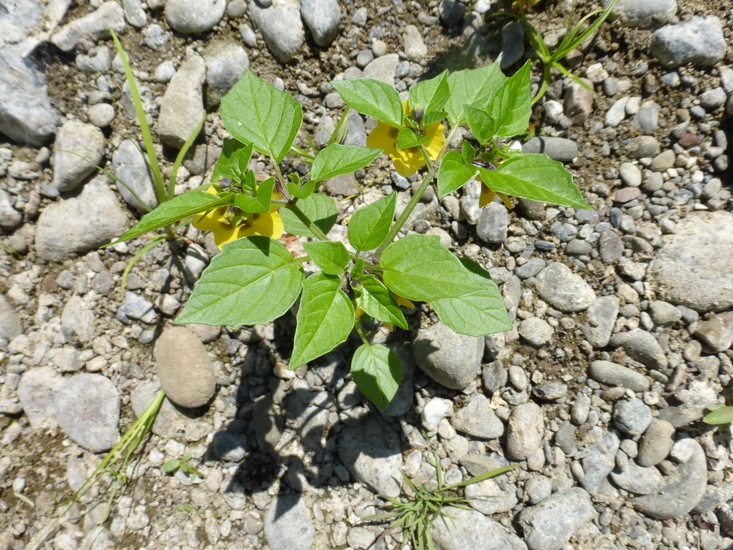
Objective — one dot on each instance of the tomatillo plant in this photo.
(256, 279)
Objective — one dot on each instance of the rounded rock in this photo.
(536, 331)
(453, 360)
(188, 378)
(613, 374)
(563, 289)
(194, 16)
(632, 416)
(78, 147)
(656, 443)
(525, 431)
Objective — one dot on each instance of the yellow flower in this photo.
(216, 221)
(487, 196)
(406, 161)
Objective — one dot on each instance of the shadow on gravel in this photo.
(291, 433)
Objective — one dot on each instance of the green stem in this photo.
(360, 332)
(410, 205)
(320, 235)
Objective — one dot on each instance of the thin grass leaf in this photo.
(106, 172)
(484, 476)
(181, 155)
(139, 254)
(340, 131)
(144, 128)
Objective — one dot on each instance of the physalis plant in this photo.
(255, 279)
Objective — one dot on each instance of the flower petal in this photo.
(487, 196)
(383, 137)
(437, 139)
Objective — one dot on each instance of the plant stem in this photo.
(410, 206)
(320, 235)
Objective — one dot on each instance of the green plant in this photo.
(163, 191)
(719, 414)
(115, 464)
(415, 514)
(574, 36)
(182, 464)
(256, 279)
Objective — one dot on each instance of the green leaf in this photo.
(332, 257)
(370, 225)
(467, 151)
(325, 319)
(535, 177)
(302, 192)
(253, 281)
(377, 372)
(407, 138)
(233, 161)
(377, 301)
(430, 95)
(511, 106)
(721, 414)
(454, 173)
(319, 208)
(471, 87)
(418, 267)
(178, 208)
(255, 112)
(260, 203)
(431, 117)
(476, 313)
(483, 127)
(336, 160)
(371, 97)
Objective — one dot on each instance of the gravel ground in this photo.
(623, 314)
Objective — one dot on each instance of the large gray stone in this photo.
(182, 107)
(371, 451)
(38, 391)
(477, 419)
(466, 529)
(563, 289)
(281, 27)
(78, 148)
(88, 410)
(73, 226)
(97, 24)
(525, 431)
(601, 320)
(683, 489)
(9, 323)
(694, 267)
(194, 16)
(288, 524)
(453, 360)
(226, 62)
(322, 18)
(188, 378)
(551, 523)
(130, 167)
(699, 41)
(643, 13)
(614, 374)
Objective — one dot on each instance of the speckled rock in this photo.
(471, 529)
(525, 431)
(478, 419)
(80, 224)
(81, 140)
(88, 410)
(450, 359)
(551, 523)
(643, 13)
(563, 289)
(38, 391)
(322, 18)
(288, 524)
(682, 490)
(9, 323)
(96, 24)
(699, 41)
(194, 16)
(371, 451)
(281, 27)
(188, 378)
(614, 374)
(694, 267)
(182, 107)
